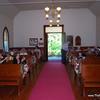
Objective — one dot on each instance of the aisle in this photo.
(52, 84)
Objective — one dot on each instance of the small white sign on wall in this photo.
(40, 42)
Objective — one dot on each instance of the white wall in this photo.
(28, 24)
(5, 21)
(76, 22)
(98, 30)
(80, 22)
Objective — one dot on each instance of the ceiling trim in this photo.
(45, 2)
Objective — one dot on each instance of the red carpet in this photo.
(52, 84)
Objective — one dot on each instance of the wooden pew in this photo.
(90, 76)
(10, 75)
(91, 60)
(88, 61)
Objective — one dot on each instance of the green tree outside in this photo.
(54, 44)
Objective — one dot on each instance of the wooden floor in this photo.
(25, 93)
(8, 94)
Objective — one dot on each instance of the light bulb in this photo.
(58, 25)
(51, 21)
(50, 25)
(58, 9)
(47, 16)
(47, 9)
(58, 21)
(58, 16)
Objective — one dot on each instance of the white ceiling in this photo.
(12, 7)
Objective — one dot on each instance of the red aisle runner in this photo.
(52, 84)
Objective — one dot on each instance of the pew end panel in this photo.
(10, 75)
(91, 80)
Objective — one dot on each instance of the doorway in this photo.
(53, 42)
(54, 46)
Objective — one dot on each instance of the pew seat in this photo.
(10, 75)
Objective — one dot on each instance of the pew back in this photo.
(91, 60)
(91, 73)
(10, 70)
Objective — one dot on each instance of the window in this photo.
(5, 40)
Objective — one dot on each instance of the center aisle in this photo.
(52, 84)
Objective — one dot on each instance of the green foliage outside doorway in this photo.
(54, 44)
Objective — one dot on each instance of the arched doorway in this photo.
(78, 41)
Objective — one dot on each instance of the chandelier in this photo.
(52, 14)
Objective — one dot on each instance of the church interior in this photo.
(49, 50)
